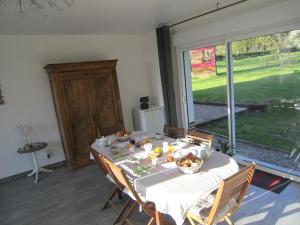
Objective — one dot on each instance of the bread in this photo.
(123, 133)
(187, 161)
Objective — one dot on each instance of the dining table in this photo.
(172, 191)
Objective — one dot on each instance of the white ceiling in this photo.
(101, 17)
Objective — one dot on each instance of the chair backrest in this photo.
(121, 178)
(234, 187)
(98, 159)
(198, 137)
(174, 132)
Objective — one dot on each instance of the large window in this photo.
(267, 85)
(266, 78)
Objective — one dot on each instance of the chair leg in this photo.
(108, 203)
(191, 220)
(151, 221)
(122, 211)
(128, 214)
(228, 220)
(120, 194)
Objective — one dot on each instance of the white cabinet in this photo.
(152, 119)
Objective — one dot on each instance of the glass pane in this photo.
(267, 92)
(206, 72)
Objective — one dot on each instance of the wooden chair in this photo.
(98, 159)
(174, 132)
(122, 181)
(198, 137)
(227, 200)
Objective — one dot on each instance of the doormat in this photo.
(270, 181)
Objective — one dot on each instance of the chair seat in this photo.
(203, 208)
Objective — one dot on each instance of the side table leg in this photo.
(36, 166)
(37, 169)
(32, 173)
(45, 170)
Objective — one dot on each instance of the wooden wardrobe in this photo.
(86, 98)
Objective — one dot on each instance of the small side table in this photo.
(33, 148)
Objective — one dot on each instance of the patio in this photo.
(282, 160)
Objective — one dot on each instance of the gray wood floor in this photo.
(60, 198)
(65, 198)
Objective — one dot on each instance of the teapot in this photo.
(102, 142)
(204, 152)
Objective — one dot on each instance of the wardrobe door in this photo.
(78, 127)
(106, 110)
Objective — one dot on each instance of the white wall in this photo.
(239, 21)
(27, 91)
(153, 71)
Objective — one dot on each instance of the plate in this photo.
(180, 143)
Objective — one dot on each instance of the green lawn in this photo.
(254, 81)
(277, 127)
(262, 79)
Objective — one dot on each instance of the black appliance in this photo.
(144, 101)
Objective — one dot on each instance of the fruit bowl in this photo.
(189, 164)
(123, 138)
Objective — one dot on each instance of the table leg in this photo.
(160, 220)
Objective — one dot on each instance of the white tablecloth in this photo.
(173, 192)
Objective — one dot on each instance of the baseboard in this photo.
(13, 177)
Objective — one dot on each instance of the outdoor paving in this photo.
(205, 113)
(267, 154)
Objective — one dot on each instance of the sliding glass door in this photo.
(205, 82)
(266, 83)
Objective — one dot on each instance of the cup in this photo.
(131, 148)
(165, 146)
(108, 141)
(101, 142)
(148, 147)
(154, 161)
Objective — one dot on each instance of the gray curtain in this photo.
(166, 73)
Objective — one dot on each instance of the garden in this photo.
(268, 80)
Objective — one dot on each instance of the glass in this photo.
(131, 147)
(170, 157)
(266, 82)
(171, 149)
(205, 80)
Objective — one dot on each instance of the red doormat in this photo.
(269, 181)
